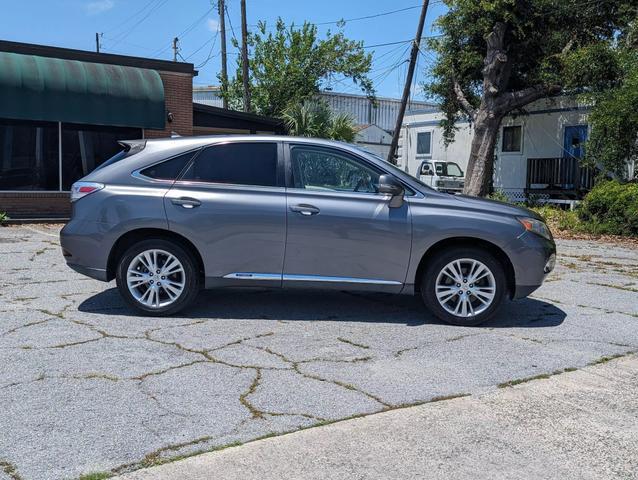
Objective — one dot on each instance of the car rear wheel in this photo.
(464, 286)
(157, 277)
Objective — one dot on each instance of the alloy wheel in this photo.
(465, 287)
(155, 278)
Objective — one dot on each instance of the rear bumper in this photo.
(84, 250)
(96, 273)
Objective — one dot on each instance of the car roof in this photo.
(196, 141)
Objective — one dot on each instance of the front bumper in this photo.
(533, 258)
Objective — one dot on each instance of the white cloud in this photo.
(213, 25)
(98, 6)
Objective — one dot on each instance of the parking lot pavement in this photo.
(88, 386)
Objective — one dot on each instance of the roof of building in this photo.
(94, 57)
(209, 116)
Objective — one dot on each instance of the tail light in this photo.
(82, 189)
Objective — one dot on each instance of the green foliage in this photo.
(612, 207)
(96, 476)
(561, 220)
(614, 118)
(546, 43)
(289, 65)
(315, 119)
(3, 217)
(498, 195)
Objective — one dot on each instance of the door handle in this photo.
(305, 210)
(186, 202)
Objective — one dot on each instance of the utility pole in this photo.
(97, 42)
(175, 48)
(222, 31)
(408, 84)
(244, 56)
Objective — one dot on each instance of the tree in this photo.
(315, 119)
(497, 56)
(612, 70)
(289, 66)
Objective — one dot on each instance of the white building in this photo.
(536, 152)
(374, 139)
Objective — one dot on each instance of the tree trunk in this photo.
(480, 166)
(496, 102)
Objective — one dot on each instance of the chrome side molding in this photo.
(307, 278)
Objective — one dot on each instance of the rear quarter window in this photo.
(168, 169)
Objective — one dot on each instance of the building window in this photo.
(31, 157)
(237, 164)
(512, 137)
(85, 147)
(424, 143)
(28, 155)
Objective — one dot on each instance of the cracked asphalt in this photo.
(87, 386)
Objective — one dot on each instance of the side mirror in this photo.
(390, 186)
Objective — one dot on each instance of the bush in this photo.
(499, 196)
(611, 208)
(3, 217)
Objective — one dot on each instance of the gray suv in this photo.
(168, 217)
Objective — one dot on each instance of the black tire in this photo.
(436, 265)
(191, 276)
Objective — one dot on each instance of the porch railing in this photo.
(561, 176)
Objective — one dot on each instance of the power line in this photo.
(131, 17)
(186, 31)
(401, 41)
(126, 33)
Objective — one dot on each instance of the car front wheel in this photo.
(464, 286)
(157, 277)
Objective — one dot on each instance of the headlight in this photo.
(535, 226)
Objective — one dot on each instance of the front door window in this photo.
(325, 170)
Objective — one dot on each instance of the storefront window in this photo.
(86, 147)
(28, 155)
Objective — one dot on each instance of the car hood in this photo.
(494, 206)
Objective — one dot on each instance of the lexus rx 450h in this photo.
(166, 218)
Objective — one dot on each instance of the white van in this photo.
(442, 176)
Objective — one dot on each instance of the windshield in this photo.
(448, 169)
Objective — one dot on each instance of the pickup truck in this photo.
(442, 176)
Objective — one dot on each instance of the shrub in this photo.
(611, 208)
(500, 196)
(3, 217)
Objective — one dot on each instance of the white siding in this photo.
(542, 137)
(416, 122)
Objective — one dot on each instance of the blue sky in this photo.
(146, 27)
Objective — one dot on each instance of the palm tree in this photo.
(315, 119)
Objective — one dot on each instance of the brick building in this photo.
(63, 111)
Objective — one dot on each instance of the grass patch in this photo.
(10, 470)
(608, 358)
(96, 476)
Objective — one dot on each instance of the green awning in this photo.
(53, 89)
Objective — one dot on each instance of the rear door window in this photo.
(252, 163)
(169, 169)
